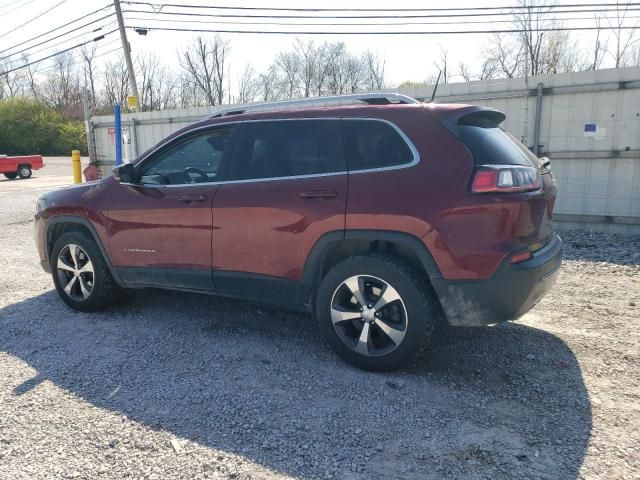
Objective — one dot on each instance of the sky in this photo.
(408, 57)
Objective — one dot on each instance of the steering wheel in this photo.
(197, 171)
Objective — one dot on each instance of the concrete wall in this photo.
(598, 173)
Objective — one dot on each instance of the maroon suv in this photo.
(381, 217)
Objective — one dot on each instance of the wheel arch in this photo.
(61, 224)
(333, 247)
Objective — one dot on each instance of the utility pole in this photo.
(127, 52)
(87, 123)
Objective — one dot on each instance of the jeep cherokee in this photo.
(379, 214)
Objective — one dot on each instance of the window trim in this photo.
(407, 140)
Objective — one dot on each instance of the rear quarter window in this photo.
(373, 144)
(491, 145)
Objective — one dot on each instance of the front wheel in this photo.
(11, 175)
(24, 171)
(375, 312)
(80, 273)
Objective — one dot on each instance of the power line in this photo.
(18, 7)
(439, 22)
(441, 32)
(97, 39)
(430, 9)
(57, 36)
(57, 28)
(49, 47)
(364, 17)
(35, 18)
(77, 57)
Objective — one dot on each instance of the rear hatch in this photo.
(504, 168)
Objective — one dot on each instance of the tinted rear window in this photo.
(491, 145)
(270, 149)
(374, 144)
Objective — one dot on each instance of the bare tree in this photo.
(308, 64)
(62, 87)
(289, 69)
(157, 84)
(487, 70)
(249, 85)
(443, 66)
(506, 54)
(10, 82)
(268, 82)
(205, 62)
(599, 46)
(374, 66)
(532, 19)
(464, 72)
(89, 67)
(623, 35)
(116, 83)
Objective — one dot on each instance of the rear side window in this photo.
(374, 144)
(287, 148)
(491, 145)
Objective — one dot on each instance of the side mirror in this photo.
(124, 173)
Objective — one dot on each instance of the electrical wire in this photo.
(58, 28)
(364, 17)
(77, 57)
(439, 22)
(430, 9)
(83, 34)
(57, 36)
(441, 32)
(17, 8)
(97, 39)
(34, 18)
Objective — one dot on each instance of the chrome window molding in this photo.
(412, 147)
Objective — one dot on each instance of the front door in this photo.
(285, 187)
(160, 226)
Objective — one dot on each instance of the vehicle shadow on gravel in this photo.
(503, 402)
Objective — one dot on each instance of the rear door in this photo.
(286, 186)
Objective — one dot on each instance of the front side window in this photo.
(287, 148)
(196, 159)
(374, 144)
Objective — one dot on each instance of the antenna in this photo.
(435, 88)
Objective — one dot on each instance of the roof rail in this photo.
(367, 98)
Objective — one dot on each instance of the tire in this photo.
(24, 172)
(409, 317)
(11, 175)
(88, 291)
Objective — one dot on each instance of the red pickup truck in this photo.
(22, 167)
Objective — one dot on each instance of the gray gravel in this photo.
(172, 385)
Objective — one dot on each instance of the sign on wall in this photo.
(126, 136)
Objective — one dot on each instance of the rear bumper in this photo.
(507, 295)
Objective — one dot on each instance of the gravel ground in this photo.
(172, 385)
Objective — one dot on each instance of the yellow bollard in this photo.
(77, 174)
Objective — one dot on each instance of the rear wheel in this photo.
(375, 312)
(24, 171)
(80, 273)
(11, 175)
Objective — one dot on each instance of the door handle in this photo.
(191, 198)
(318, 194)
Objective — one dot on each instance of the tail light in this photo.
(505, 178)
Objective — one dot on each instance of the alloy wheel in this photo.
(369, 315)
(75, 272)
